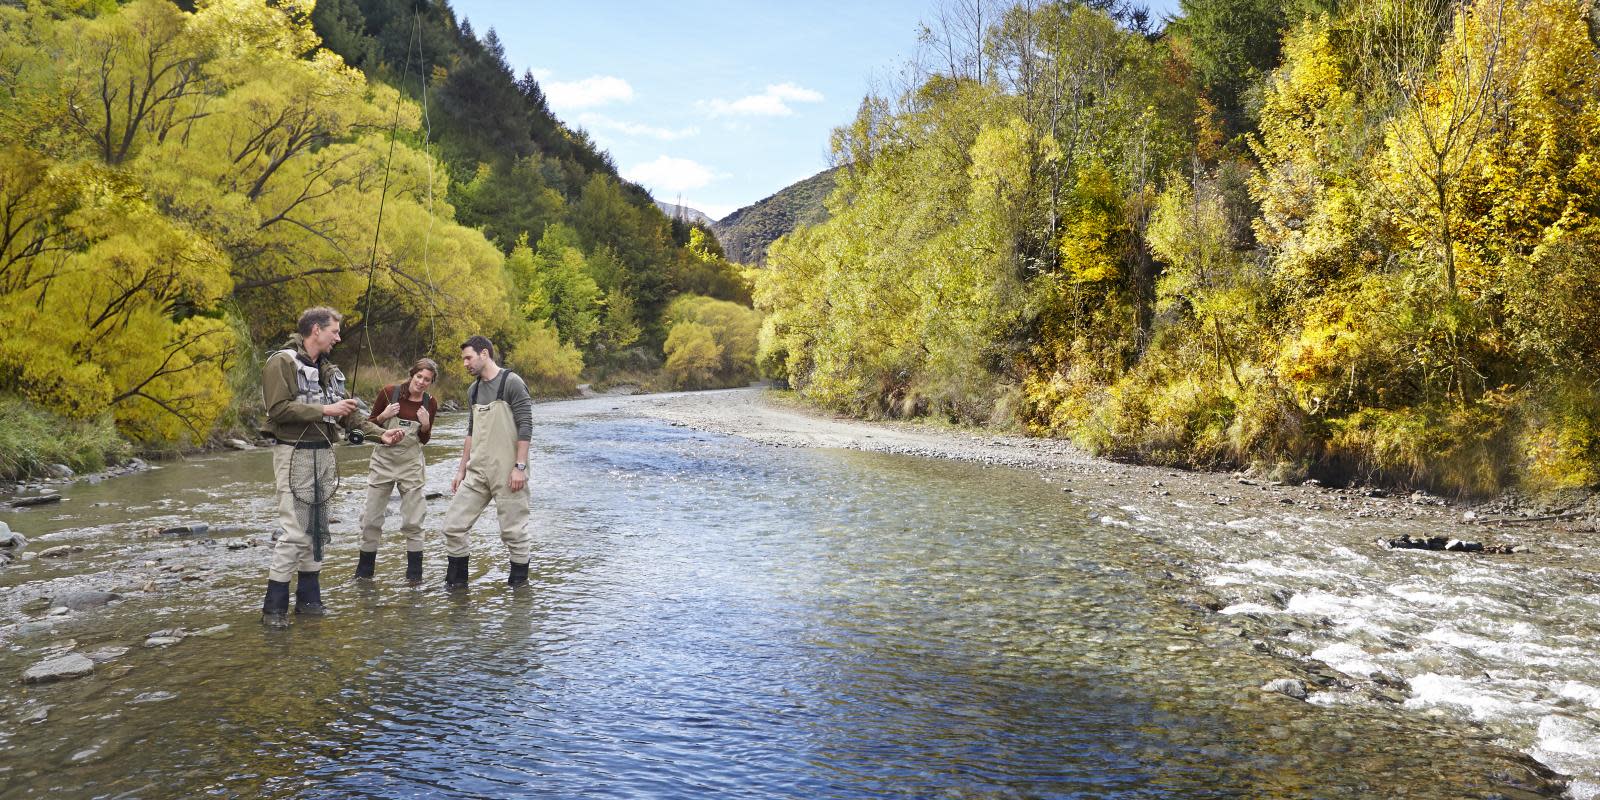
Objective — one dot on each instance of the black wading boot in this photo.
(455, 573)
(519, 574)
(414, 566)
(275, 610)
(308, 595)
(366, 564)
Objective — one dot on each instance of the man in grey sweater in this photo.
(494, 465)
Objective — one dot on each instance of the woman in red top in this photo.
(408, 407)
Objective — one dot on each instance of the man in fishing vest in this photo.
(307, 411)
(494, 465)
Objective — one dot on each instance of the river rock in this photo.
(59, 551)
(162, 641)
(1286, 686)
(38, 714)
(36, 500)
(239, 444)
(11, 540)
(192, 529)
(61, 471)
(152, 697)
(73, 665)
(108, 653)
(89, 598)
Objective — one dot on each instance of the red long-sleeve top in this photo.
(408, 409)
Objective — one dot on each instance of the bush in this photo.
(32, 439)
(549, 367)
(733, 329)
(1560, 437)
(1443, 448)
(693, 356)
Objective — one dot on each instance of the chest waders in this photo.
(488, 477)
(306, 479)
(397, 466)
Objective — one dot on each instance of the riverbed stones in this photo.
(59, 551)
(162, 641)
(108, 653)
(84, 600)
(240, 444)
(72, 665)
(61, 471)
(1286, 686)
(11, 540)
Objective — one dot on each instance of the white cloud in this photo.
(601, 122)
(774, 102)
(593, 91)
(669, 175)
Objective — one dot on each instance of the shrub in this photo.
(32, 439)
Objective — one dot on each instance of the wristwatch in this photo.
(522, 467)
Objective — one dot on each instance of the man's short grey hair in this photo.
(317, 317)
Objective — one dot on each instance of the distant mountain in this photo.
(672, 210)
(745, 233)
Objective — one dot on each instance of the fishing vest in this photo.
(309, 388)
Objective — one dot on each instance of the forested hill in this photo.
(746, 233)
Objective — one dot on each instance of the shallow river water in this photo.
(709, 617)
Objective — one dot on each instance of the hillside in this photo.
(745, 233)
(690, 215)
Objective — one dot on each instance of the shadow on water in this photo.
(705, 617)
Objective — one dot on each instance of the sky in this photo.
(712, 104)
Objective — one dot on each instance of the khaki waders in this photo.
(296, 474)
(398, 466)
(494, 452)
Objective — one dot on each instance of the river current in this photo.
(711, 617)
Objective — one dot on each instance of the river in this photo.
(713, 616)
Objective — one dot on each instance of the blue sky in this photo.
(719, 103)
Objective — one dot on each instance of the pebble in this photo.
(1286, 686)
